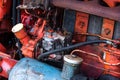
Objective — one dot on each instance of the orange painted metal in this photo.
(2, 48)
(92, 65)
(21, 34)
(111, 3)
(107, 28)
(112, 56)
(6, 64)
(81, 25)
(28, 49)
(5, 6)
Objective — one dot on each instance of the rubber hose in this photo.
(18, 12)
(72, 47)
(14, 12)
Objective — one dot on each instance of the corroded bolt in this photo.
(107, 31)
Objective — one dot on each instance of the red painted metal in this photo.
(27, 50)
(107, 63)
(27, 19)
(5, 6)
(2, 48)
(112, 3)
(91, 66)
(28, 46)
(6, 64)
(5, 26)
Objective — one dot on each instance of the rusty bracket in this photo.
(107, 31)
(108, 28)
(81, 25)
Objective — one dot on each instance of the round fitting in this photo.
(73, 60)
(20, 32)
(17, 27)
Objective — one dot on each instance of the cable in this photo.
(72, 47)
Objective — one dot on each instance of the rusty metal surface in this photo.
(112, 55)
(107, 28)
(91, 66)
(81, 25)
(91, 7)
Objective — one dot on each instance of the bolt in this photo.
(82, 24)
(107, 31)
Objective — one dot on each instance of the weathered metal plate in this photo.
(81, 25)
(107, 28)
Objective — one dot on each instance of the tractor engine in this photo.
(59, 40)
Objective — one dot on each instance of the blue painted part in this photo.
(94, 27)
(30, 69)
(69, 20)
(69, 70)
(117, 31)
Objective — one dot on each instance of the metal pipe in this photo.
(91, 7)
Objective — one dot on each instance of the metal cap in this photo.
(73, 59)
(17, 27)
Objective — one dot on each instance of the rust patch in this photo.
(107, 28)
(81, 25)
